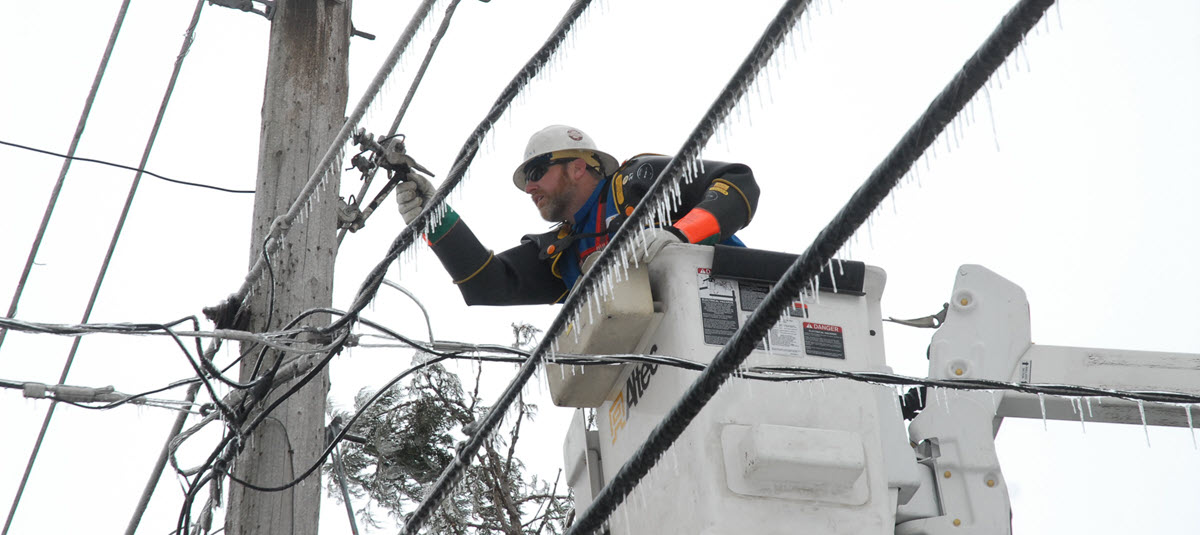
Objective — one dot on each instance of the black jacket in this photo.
(717, 203)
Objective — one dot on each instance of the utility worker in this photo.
(588, 195)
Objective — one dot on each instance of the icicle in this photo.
(1191, 429)
(1042, 402)
(1142, 411)
(591, 316)
(870, 232)
(749, 117)
(1089, 406)
(1081, 424)
(625, 514)
(1024, 54)
(987, 96)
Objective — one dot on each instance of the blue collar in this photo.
(581, 216)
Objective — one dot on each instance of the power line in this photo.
(119, 166)
(187, 43)
(81, 395)
(443, 351)
(433, 44)
(62, 174)
(278, 340)
(456, 350)
(973, 75)
(504, 354)
(328, 164)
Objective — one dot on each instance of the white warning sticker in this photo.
(718, 308)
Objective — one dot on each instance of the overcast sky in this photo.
(1077, 180)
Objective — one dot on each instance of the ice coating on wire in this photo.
(276, 234)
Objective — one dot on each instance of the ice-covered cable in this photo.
(420, 75)
(974, 73)
(279, 340)
(159, 465)
(278, 230)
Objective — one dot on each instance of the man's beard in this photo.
(556, 206)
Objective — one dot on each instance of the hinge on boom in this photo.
(931, 321)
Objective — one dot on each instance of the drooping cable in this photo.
(973, 75)
(403, 290)
(187, 43)
(329, 161)
(685, 159)
(126, 167)
(159, 465)
(62, 174)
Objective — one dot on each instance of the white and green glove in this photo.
(411, 196)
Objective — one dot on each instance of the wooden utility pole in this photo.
(304, 106)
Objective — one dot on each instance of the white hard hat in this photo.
(557, 142)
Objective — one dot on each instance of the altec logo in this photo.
(627, 398)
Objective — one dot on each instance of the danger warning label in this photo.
(822, 340)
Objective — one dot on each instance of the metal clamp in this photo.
(267, 11)
(387, 152)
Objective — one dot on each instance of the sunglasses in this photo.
(537, 169)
